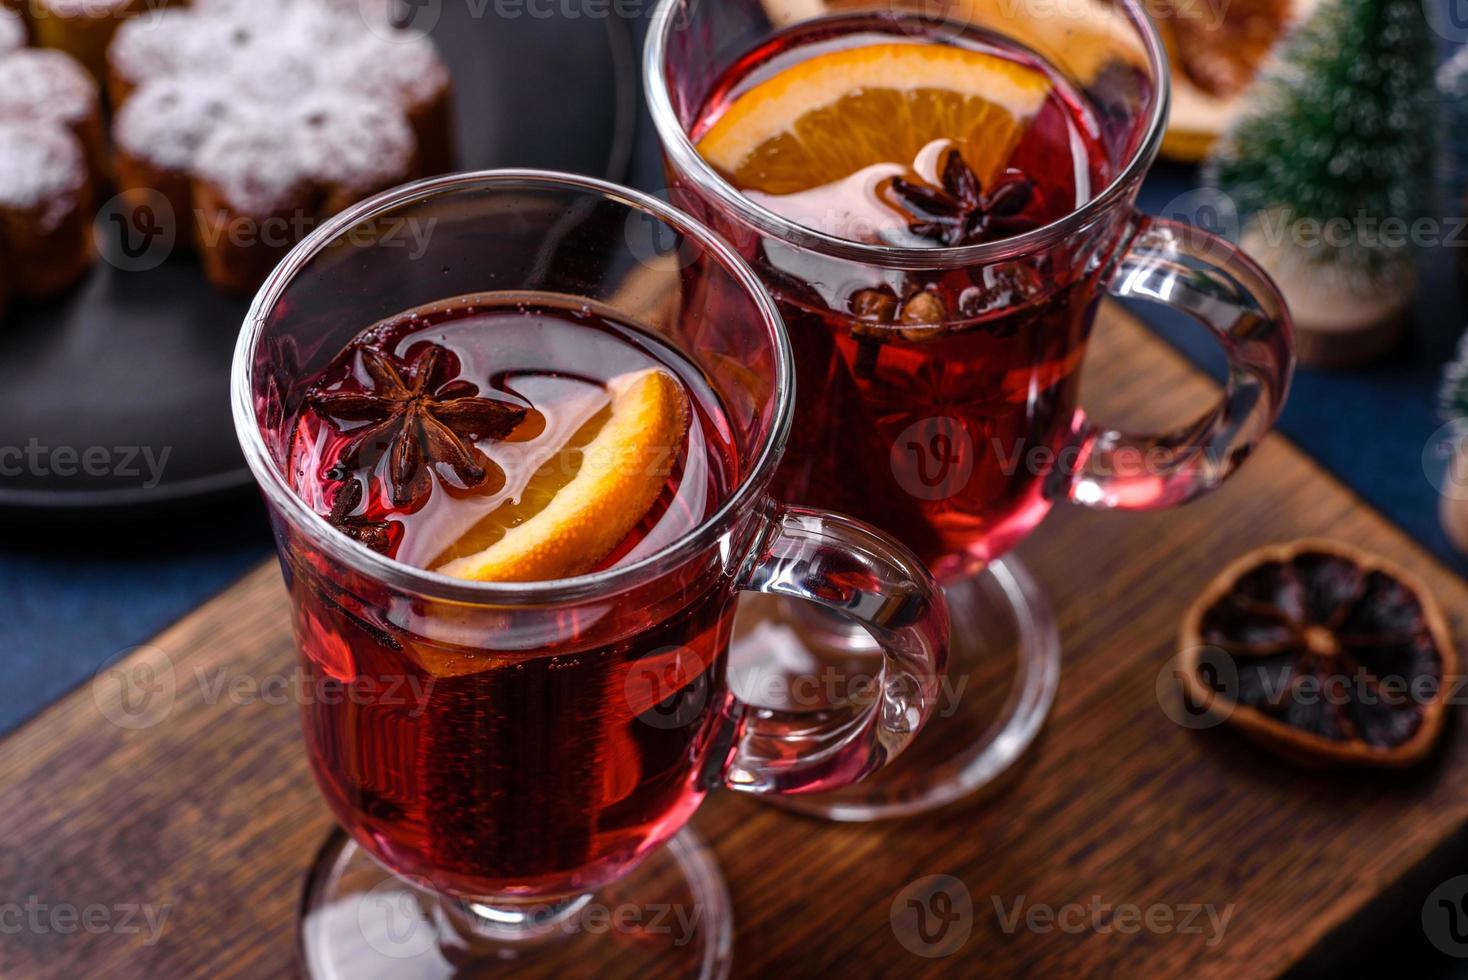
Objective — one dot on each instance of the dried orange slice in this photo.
(837, 113)
(585, 500)
(1080, 37)
(1215, 56)
(1323, 653)
(1215, 50)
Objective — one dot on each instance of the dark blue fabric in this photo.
(68, 614)
(1369, 426)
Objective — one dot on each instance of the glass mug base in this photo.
(1004, 668)
(671, 916)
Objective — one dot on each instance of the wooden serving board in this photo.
(211, 812)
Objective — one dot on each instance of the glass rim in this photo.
(680, 149)
(423, 582)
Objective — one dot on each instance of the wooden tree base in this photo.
(1452, 511)
(1342, 319)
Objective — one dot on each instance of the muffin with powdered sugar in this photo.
(83, 28)
(12, 31)
(52, 156)
(353, 106)
(45, 208)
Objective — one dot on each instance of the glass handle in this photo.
(1209, 279)
(866, 577)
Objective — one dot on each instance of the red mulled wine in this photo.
(933, 403)
(475, 747)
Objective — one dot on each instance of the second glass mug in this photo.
(544, 741)
(960, 436)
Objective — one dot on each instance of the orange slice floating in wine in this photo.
(580, 505)
(837, 113)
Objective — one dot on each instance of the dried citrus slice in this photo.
(1214, 59)
(582, 503)
(837, 113)
(1323, 653)
(1225, 43)
(1080, 37)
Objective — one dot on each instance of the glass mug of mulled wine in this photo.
(514, 430)
(939, 204)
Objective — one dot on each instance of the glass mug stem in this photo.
(478, 928)
(1205, 277)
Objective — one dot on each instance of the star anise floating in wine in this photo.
(417, 416)
(959, 212)
(362, 529)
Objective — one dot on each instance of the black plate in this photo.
(116, 394)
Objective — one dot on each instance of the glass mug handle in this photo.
(855, 571)
(1204, 276)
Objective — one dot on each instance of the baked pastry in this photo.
(156, 137)
(82, 28)
(12, 31)
(352, 146)
(50, 153)
(41, 85)
(335, 105)
(405, 67)
(252, 199)
(160, 45)
(45, 207)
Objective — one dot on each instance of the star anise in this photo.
(417, 422)
(373, 534)
(959, 212)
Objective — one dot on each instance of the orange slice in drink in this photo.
(583, 502)
(837, 113)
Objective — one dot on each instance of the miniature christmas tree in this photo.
(1333, 161)
(1452, 403)
(1452, 397)
(1452, 83)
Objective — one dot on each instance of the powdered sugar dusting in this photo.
(401, 65)
(42, 166)
(254, 167)
(272, 76)
(342, 75)
(380, 12)
(83, 8)
(44, 84)
(12, 31)
(168, 42)
(266, 9)
(353, 142)
(167, 121)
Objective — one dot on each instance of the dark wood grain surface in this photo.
(210, 816)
